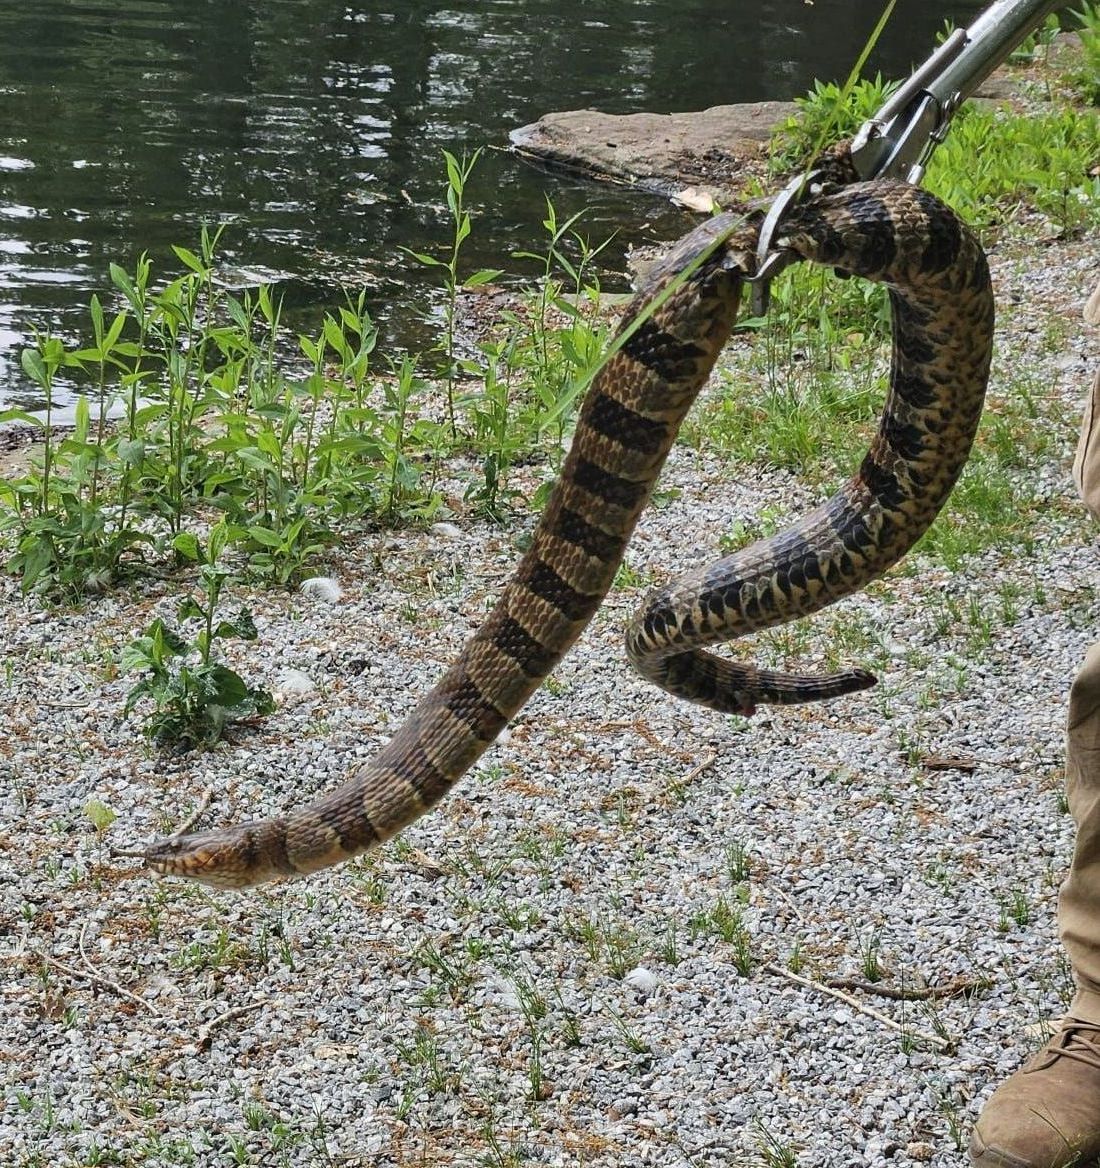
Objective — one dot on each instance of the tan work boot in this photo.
(1046, 1115)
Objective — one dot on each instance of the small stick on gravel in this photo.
(698, 769)
(200, 809)
(792, 905)
(206, 1031)
(90, 974)
(862, 1007)
(956, 988)
(184, 827)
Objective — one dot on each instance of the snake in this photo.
(671, 333)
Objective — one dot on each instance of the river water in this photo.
(313, 128)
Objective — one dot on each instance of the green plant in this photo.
(727, 922)
(458, 176)
(403, 495)
(425, 1058)
(869, 963)
(827, 113)
(100, 816)
(564, 356)
(1042, 160)
(194, 703)
(635, 1043)
(66, 542)
(1087, 75)
(495, 432)
(737, 861)
(772, 1152)
(616, 944)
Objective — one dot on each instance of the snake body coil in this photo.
(942, 309)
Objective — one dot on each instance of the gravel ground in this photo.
(589, 954)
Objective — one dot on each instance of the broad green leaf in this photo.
(227, 687)
(114, 331)
(335, 336)
(483, 276)
(423, 258)
(100, 814)
(269, 444)
(243, 625)
(33, 366)
(131, 451)
(188, 546)
(262, 535)
(36, 559)
(219, 537)
(121, 280)
(53, 352)
(190, 259)
(14, 415)
(83, 419)
(166, 638)
(95, 311)
(190, 607)
(250, 456)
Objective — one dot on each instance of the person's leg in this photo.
(1079, 901)
(1047, 1115)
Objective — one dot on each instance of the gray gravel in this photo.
(549, 970)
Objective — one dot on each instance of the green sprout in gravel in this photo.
(194, 704)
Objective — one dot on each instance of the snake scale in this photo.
(672, 332)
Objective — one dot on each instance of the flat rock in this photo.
(716, 150)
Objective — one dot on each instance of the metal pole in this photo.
(1002, 27)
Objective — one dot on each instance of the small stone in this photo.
(293, 682)
(642, 980)
(323, 588)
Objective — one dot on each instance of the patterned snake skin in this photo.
(942, 309)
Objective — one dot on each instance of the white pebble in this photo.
(641, 979)
(294, 681)
(323, 587)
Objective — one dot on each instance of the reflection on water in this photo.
(314, 129)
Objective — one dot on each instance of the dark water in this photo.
(314, 128)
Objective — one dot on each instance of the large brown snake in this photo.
(942, 309)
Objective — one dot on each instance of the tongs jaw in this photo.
(770, 261)
(899, 139)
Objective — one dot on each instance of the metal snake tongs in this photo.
(899, 139)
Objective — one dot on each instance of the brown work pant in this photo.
(1079, 903)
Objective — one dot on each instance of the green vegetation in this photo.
(224, 415)
(194, 704)
(1086, 77)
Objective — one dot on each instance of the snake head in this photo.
(219, 859)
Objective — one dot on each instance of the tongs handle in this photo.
(899, 139)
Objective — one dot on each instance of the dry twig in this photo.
(89, 973)
(700, 767)
(200, 809)
(956, 988)
(206, 1031)
(862, 1007)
